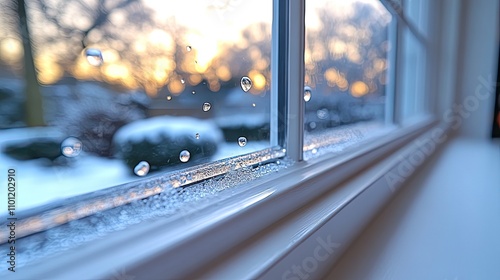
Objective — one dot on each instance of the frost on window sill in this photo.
(85, 218)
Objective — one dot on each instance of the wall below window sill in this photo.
(308, 241)
(442, 225)
(258, 233)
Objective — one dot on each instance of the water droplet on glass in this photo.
(189, 48)
(183, 81)
(184, 156)
(307, 93)
(253, 105)
(142, 168)
(169, 97)
(246, 84)
(197, 136)
(206, 106)
(312, 125)
(71, 147)
(322, 114)
(314, 151)
(94, 57)
(193, 92)
(242, 141)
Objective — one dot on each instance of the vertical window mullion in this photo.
(295, 83)
(391, 86)
(279, 73)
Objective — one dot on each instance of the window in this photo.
(143, 98)
(128, 87)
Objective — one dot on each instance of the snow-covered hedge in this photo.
(27, 149)
(160, 140)
(244, 114)
(31, 143)
(253, 126)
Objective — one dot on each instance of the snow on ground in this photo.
(39, 183)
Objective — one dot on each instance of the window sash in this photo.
(287, 103)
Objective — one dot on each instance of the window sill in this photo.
(297, 201)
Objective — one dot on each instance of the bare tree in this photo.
(97, 14)
(34, 106)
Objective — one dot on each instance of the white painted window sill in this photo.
(249, 234)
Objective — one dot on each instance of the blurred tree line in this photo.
(54, 34)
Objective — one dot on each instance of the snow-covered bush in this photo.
(31, 143)
(253, 126)
(34, 148)
(160, 141)
(244, 114)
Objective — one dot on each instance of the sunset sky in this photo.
(209, 25)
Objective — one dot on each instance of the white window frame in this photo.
(269, 210)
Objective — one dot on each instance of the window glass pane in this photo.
(346, 66)
(106, 92)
